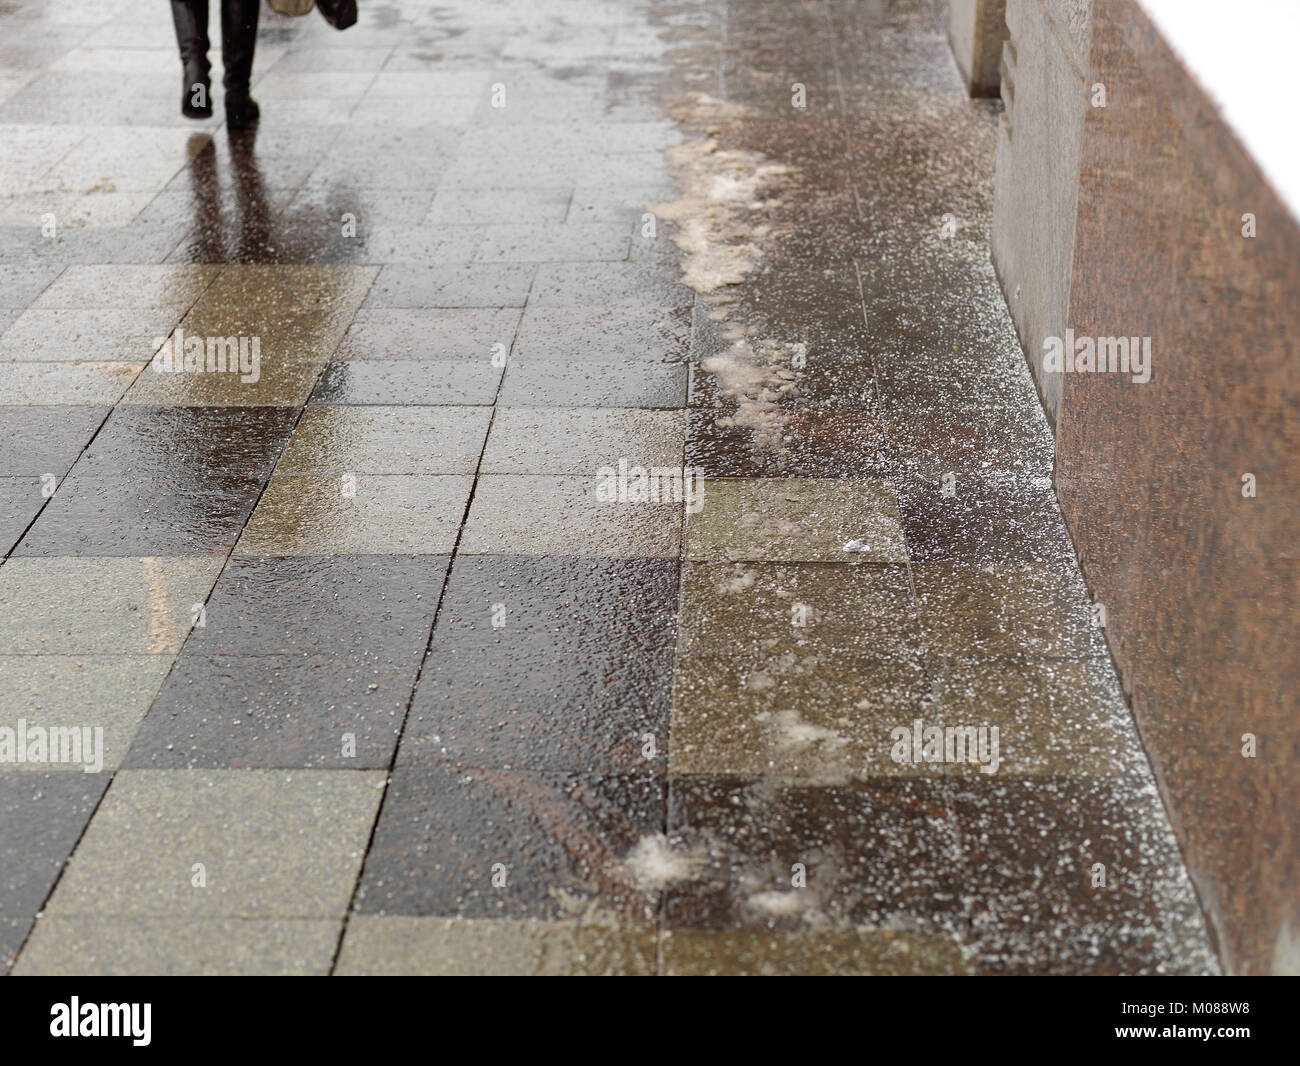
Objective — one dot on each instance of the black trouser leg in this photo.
(190, 18)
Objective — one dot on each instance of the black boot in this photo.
(191, 20)
(238, 38)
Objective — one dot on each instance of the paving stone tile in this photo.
(82, 286)
(600, 203)
(41, 818)
(574, 334)
(1006, 610)
(810, 716)
(329, 605)
(455, 206)
(364, 514)
(625, 383)
(272, 843)
(606, 285)
(762, 611)
(874, 852)
(157, 946)
(1054, 717)
(390, 382)
(277, 712)
(59, 384)
(1036, 903)
(581, 440)
(115, 514)
(758, 952)
(108, 335)
(454, 334)
(477, 285)
(112, 693)
(545, 515)
(816, 443)
(796, 520)
(111, 606)
(284, 335)
(535, 242)
(563, 840)
(465, 947)
(198, 442)
(983, 518)
(277, 385)
(297, 289)
(386, 440)
(21, 499)
(45, 440)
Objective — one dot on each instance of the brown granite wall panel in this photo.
(1201, 585)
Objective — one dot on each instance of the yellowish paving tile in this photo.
(285, 336)
(96, 605)
(292, 288)
(222, 844)
(386, 440)
(277, 384)
(468, 947)
(761, 952)
(797, 520)
(302, 514)
(87, 693)
(178, 947)
(44, 384)
(577, 440)
(127, 286)
(536, 515)
(762, 610)
(813, 717)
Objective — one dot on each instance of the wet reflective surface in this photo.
(408, 623)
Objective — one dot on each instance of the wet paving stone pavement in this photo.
(623, 470)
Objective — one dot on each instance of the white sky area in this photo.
(1244, 54)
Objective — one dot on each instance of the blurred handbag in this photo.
(338, 13)
(291, 7)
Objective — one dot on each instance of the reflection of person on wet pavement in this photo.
(238, 38)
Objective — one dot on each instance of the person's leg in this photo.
(191, 20)
(238, 38)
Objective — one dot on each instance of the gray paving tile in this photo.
(626, 383)
(391, 382)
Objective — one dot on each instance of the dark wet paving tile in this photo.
(982, 517)
(21, 499)
(594, 334)
(458, 334)
(45, 440)
(825, 444)
(41, 817)
(115, 515)
(341, 711)
(873, 852)
(198, 442)
(326, 605)
(548, 664)
(560, 841)
(625, 384)
(478, 285)
(1070, 875)
(375, 381)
